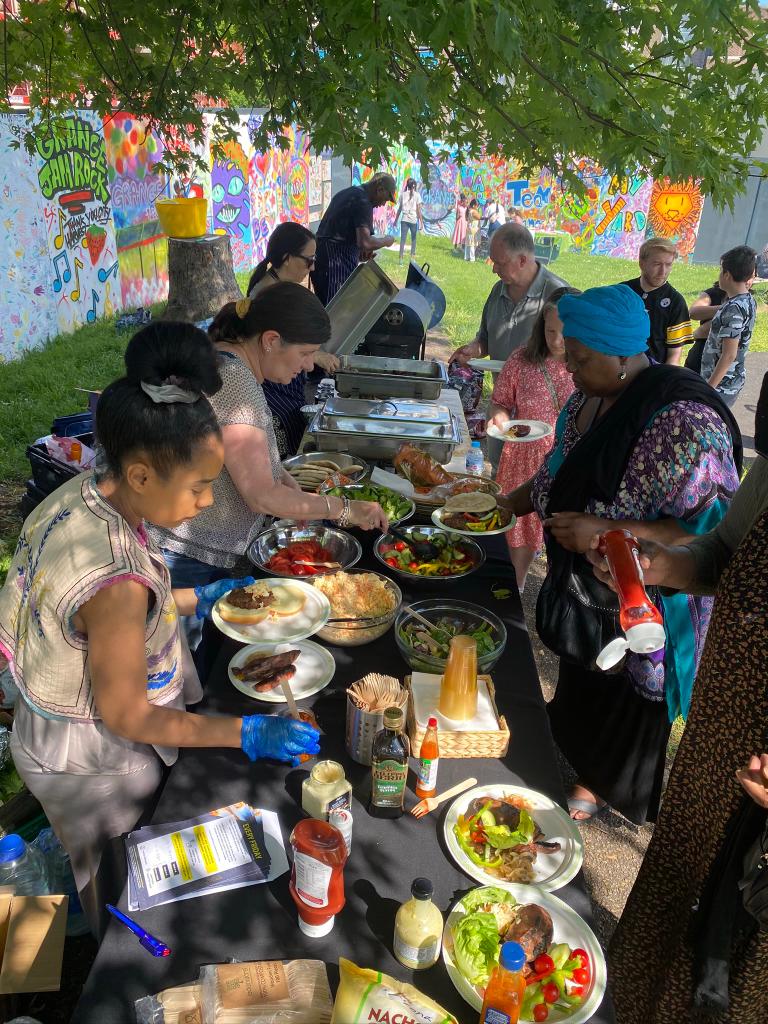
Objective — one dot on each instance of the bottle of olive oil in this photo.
(389, 766)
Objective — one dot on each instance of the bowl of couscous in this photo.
(363, 606)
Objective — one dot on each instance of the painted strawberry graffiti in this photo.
(94, 241)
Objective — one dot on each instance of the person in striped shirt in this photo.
(671, 326)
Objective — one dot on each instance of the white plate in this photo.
(437, 519)
(314, 670)
(539, 429)
(551, 870)
(488, 365)
(568, 927)
(312, 617)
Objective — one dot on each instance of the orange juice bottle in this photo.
(506, 987)
(429, 758)
(458, 690)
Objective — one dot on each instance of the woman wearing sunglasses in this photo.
(290, 256)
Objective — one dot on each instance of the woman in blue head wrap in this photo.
(650, 446)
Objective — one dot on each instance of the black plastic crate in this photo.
(49, 473)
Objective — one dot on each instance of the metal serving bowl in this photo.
(352, 491)
(355, 633)
(469, 617)
(340, 459)
(476, 553)
(343, 547)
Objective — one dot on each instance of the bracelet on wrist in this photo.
(346, 513)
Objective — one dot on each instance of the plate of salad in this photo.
(506, 835)
(565, 967)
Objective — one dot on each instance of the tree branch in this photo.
(176, 39)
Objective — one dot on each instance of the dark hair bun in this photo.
(128, 421)
(166, 349)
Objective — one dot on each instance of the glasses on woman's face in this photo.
(309, 260)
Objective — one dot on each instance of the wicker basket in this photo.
(462, 744)
(426, 506)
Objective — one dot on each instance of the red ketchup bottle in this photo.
(640, 619)
(317, 875)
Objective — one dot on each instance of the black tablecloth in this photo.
(259, 922)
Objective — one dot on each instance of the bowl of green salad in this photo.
(396, 507)
(427, 650)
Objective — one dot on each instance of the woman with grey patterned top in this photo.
(273, 337)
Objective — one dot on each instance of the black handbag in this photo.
(576, 615)
(754, 884)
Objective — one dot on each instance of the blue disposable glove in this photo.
(208, 595)
(279, 738)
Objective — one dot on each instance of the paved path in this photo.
(744, 410)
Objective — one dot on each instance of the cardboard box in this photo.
(32, 931)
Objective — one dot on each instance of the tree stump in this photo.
(201, 278)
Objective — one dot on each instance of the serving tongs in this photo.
(421, 548)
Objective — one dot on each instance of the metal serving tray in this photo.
(375, 430)
(377, 377)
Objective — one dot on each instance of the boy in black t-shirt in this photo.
(671, 327)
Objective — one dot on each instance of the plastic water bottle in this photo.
(22, 867)
(475, 459)
(61, 881)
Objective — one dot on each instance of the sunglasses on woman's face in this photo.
(309, 260)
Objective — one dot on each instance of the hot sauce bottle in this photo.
(640, 619)
(317, 875)
(429, 759)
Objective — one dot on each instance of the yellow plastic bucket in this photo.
(183, 217)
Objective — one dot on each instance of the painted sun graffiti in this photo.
(229, 192)
(675, 210)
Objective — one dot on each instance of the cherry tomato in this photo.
(582, 955)
(578, 992)
(392, 562)
(551, 992)
(401, 545)
(581, 976)
(413, 566)
(544, 964)
(540, 1011)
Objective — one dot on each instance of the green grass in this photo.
(466, 285)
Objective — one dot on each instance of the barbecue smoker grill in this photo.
(401, 330)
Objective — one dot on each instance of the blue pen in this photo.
(149, 942)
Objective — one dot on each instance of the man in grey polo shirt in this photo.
(515, 301)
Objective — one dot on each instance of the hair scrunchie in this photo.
(242, 306)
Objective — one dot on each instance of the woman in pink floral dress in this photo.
(533, 385)
(460, 228)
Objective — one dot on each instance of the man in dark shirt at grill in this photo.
(671, 326)
(345, 235)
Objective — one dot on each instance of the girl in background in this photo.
(534, 384)
(474, 216)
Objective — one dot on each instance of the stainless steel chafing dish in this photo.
(376, 429)
(377, 377)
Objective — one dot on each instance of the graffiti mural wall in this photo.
(76, 203)
(611, 217)
(80, 234)
(28, 316)
(132, 152)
